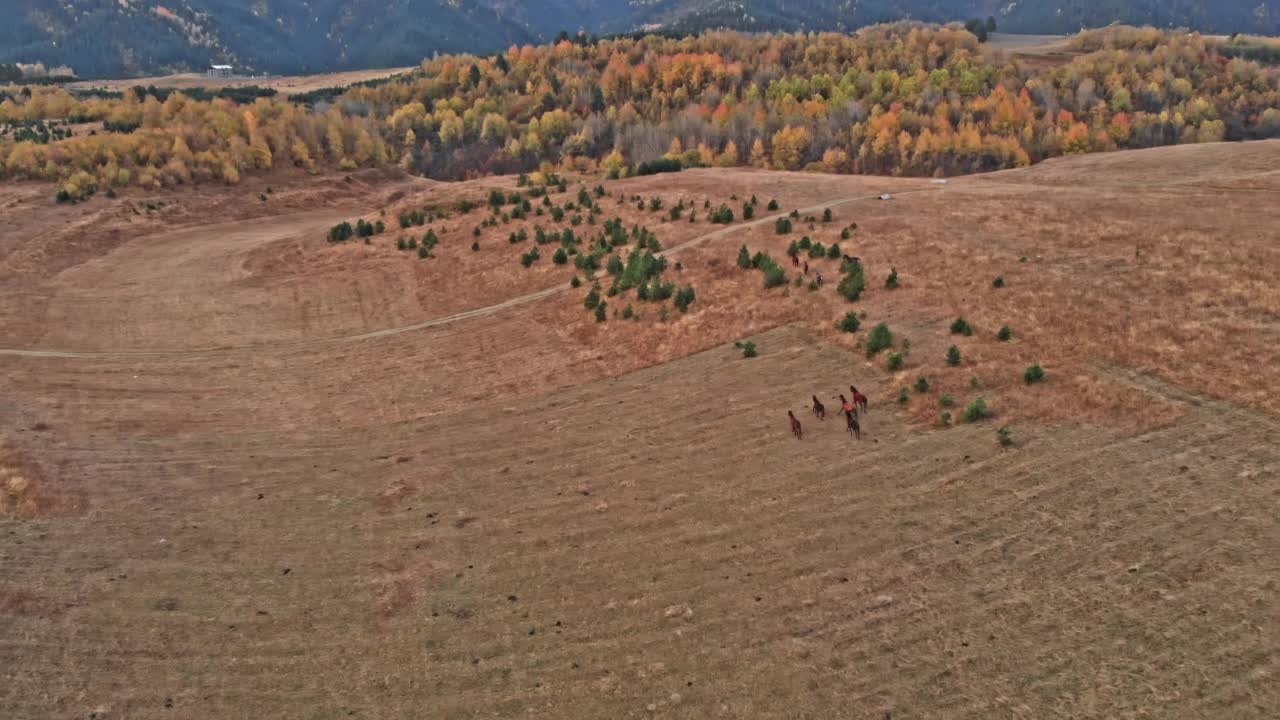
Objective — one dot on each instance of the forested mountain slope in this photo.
(900, 99)
(100, 38)
(1027, 16)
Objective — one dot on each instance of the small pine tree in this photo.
(574, 281)
(976, 410)
(1005, 334)
(891, 282)
(1033, 374)
(922, 384)
(592, 300)
(833, 252)
(1004, 436)
(998, 282)
(852, 284)
(475, 247)
(896, 361)
(560, 257)
(602, 311)
(850, 322)
(684, 298)
(953, 356)
(903, 395)
(845, 234)
(960, 326)
(879, 339)
(773, 204)
(774, 275)
(826, 215)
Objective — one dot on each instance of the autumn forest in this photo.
(903, 99)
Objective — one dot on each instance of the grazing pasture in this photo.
(250, 466)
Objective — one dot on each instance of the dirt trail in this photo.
(157, 263)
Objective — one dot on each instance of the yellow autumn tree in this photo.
(789, 146)
(759, 158)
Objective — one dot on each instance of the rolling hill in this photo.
(101, 38)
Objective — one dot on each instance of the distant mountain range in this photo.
(104, 38)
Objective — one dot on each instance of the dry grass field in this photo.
(284, 84)
(1033, 50)
(245, 472)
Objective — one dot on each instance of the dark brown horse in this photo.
(853, 427)
(819, 409)
(795, 425)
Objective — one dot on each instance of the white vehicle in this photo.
(885, 196)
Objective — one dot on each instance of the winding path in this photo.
(443, 320)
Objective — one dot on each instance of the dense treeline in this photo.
(890, 99)
(900, 99)
(181, 140)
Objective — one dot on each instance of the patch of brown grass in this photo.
(25, 493)
(15, 601)
(391, 496)
(402, 583)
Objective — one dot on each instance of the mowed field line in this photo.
(434, 322)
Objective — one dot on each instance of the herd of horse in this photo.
(851, 407)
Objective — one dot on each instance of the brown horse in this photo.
(819, 409)
(859, 399)
(795, 425)
(848, 408)
(853, 427)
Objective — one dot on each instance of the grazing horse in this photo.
(858, 398)
(795, 424)
(819, 409)
(818, 279)
(853, 427)
(795, 260)
(847, 407)
(806, 268)
(852, 260)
